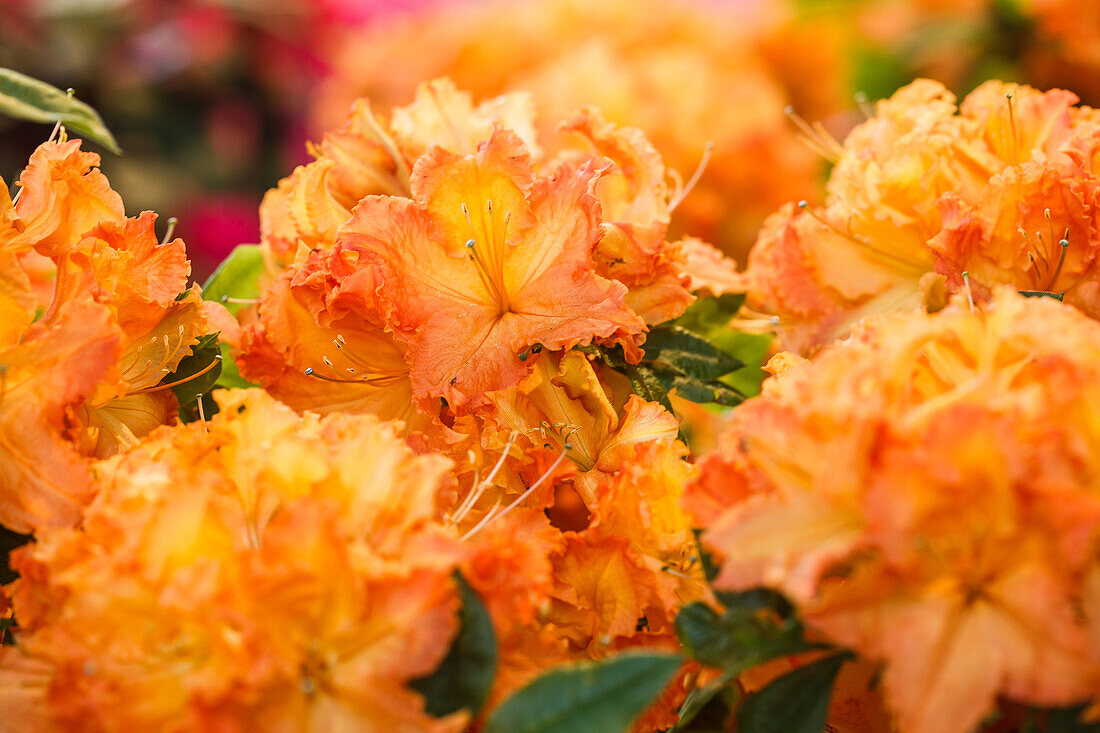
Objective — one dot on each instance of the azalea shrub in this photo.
(481, 436)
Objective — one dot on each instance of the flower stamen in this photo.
(492, 517)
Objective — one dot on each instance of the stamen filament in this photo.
(370, 381)
(494, 285)
(854, 239)
(1012, 128)
(816, 136)
(172, 221)
(1058, 269)
(480, 486)
(682, 194)
(196, 375)
(969, 294)
(493, 517)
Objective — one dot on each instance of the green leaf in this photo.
(205, 355)
(26, 98)
(695, 390)
(687, 353)
(645, 383)
(601, 697)
(464, 678)
(1041, 294)
(238, 276)
(795, 703)
(742, 637)
(710, 314)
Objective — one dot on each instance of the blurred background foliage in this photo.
(212, 100)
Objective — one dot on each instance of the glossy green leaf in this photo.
(795, 703)
(465, 676)
(601, 697)
(26, 98)
(645, 383)
(238, 277)
(687, 353)
(695, 390)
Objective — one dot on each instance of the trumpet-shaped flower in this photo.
(486, 261)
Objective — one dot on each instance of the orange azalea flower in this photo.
(924, 494)
(485, 262)
(17, 297)
(299, 581)
(349, 364)
(369, 157)
(52, 370)
(62, 196)
(991, 190)
(634, 202)
(124, 266)
(697, 59)
(91, 389)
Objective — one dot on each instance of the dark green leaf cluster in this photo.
(697, 355)
(753, 627)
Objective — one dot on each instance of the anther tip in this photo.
(803, 204)
(788, 110)
(224, 299)
(966, 273)
(1064, 242)
(309, 371)
(470, 243)
(569, 446)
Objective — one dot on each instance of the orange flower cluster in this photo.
(1002, 190)
(924, 493)
(438, 269)
(82, 358)
(262, 571)
(467, 248)
(687, 73)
